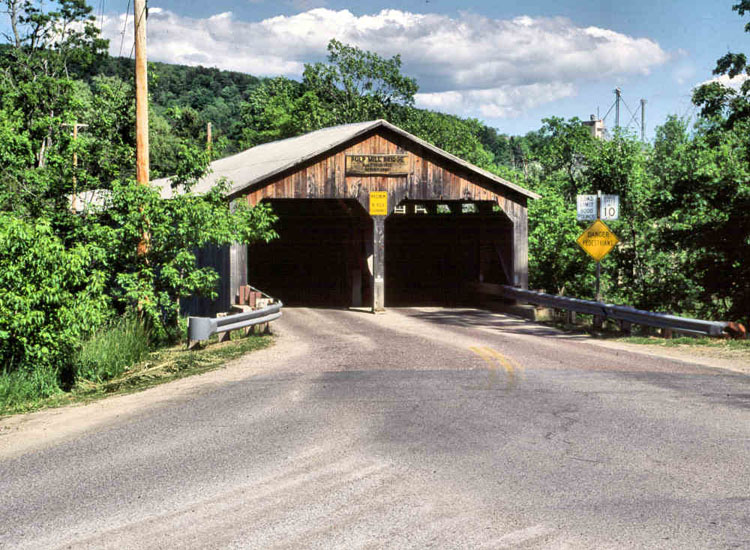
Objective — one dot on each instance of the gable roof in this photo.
(262, 162)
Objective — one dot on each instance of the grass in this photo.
(684, 341)
(158, 367)
(110, 352)
(610, 331)
(20, 387)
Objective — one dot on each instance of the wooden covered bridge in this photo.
(370, 215)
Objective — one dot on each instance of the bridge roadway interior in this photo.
(416, 428)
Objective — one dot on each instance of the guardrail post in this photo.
(626, 327)
(598, 322)
(571, 317)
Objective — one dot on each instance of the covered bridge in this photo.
(373, 216)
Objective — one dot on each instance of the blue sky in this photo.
(509, 63)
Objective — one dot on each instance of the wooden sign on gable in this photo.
(377, 165)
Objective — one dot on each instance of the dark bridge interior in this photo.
(432, 250)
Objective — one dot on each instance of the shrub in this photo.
(49, 298)
(109, 352)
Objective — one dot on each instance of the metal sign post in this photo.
(597, 293)
(598, 241)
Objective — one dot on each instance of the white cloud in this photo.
(469, 65)
(734, 83)
(501, 102)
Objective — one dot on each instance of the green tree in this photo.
(357, 85)
(709, 188)
(458, 136)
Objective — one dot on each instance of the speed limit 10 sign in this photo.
(610, 209)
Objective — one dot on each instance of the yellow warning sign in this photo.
(597, 240)
(378, 203)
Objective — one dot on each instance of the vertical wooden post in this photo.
(598, 322)
(141, 93)
(521, 249)
(75, 169)
(378, 268)
(237, 269)
(209, 137)
(74, 197)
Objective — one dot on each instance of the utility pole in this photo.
(209, 140)
(618, 94)
(141, 94)
(141, 107)
(74, 197)
(643, 120)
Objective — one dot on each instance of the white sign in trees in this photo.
(586, 207)
(610, 207)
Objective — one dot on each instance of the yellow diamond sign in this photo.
(597, 240)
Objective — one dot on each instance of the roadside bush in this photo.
(109, 352)
(49, 298)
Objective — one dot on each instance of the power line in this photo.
(124, 28)
(101, 16)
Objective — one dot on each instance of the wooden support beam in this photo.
(378, 268)
(237, 269)
(520, 247)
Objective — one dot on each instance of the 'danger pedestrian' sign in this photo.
(597, 240)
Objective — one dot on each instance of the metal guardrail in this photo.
(201, 329)
(625, 314)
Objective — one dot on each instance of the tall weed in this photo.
(20, 387)
(111, 351)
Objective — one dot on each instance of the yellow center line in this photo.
(492, 380)
(493, 359)
(513, 365)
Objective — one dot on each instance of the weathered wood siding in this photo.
(430, 178)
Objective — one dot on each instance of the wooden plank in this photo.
(237, 269)
(378, 303)
(521, 247)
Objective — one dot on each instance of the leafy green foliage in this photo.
(453, 134)
(357, 85)
(50, 297)
(154, 282)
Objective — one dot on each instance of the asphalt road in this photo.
(419, 428)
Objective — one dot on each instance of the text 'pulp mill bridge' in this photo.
(369, 215)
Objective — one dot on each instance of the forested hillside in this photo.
(245, 110)
(70, 274)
